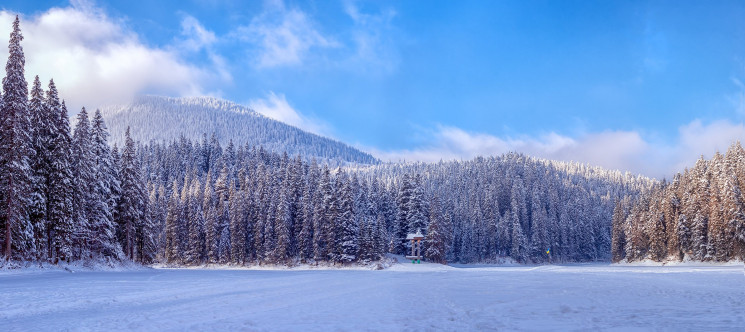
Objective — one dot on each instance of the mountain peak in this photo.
(161, 118)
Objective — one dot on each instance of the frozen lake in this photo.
(404, 297)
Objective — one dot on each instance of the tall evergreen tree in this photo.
(83, 171)
(173, 223)
(130, 202)
(40, 131)
(15, 152)
(59, 209)
(347, 229)
(101, 218)
(435, 240)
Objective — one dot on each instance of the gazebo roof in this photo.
(415, 236)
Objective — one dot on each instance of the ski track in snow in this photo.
(412, 297)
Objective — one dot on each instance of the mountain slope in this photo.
(164, 119)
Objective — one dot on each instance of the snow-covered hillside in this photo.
(426, 297)
(163, 118)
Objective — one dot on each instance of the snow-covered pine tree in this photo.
(282, 219)
(130, 202)
(196, 224)
(145, 236)
(259, 212)
(416, 218)
(671, 210)
(519, 242)
(403, 202)
(346, 225)
(173, 225)
(539, 240)
(222, 185)
(40, 132)
(435, 240)
(305, 236)
(325, 211)
(59, 210)
(211, 220)
(83, 171)
(618, 239)
(103, 202)
(238, 222)
(270, 219)
(15, 152)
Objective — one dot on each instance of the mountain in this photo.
(165, 119)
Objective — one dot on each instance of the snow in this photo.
(403, 297)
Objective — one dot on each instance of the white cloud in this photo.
(284, 36)
(622, 150)
(276, 107)
(94, 59)
(372, 36)
(196, 36)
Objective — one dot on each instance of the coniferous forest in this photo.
(66, 194)
(699, 215)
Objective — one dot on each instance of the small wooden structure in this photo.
(416, 246)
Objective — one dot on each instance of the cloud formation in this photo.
(276, 107)
(622, 150)
(284, 36)
(372, 41)
(95, 60)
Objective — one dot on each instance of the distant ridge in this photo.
(165, 119)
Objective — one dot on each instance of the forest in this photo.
(67, 194)
(697, 216)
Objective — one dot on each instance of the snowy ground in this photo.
(403, 297)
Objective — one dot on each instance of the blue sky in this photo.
(631, 85)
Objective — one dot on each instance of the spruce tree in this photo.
(435, 240)
(237, 225)
(40, 132)
(15, 153)
(346, 224)
(281, 227)
(103, 228)
(130, 202)
(173, 225)
(83, 179)
(211, 221)
(60, 200)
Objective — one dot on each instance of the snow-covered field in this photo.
(403, 297)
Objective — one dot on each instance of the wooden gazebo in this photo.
(416, 246)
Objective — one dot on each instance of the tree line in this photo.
(67, 195)
(699, 215)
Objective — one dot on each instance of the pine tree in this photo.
(130, 202)
(347, 229)
(83, 179)
(519, 242)
(435, 240)
(103, 202)
(416, 220)
(618, 236)
(173, 223)
(306, 234)
(405, 193)
(40, 131)
(59, 210)
(324, 215)
(15, 152)
(211, 221)
(281, 227)
(196, 224)
(238, 231)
